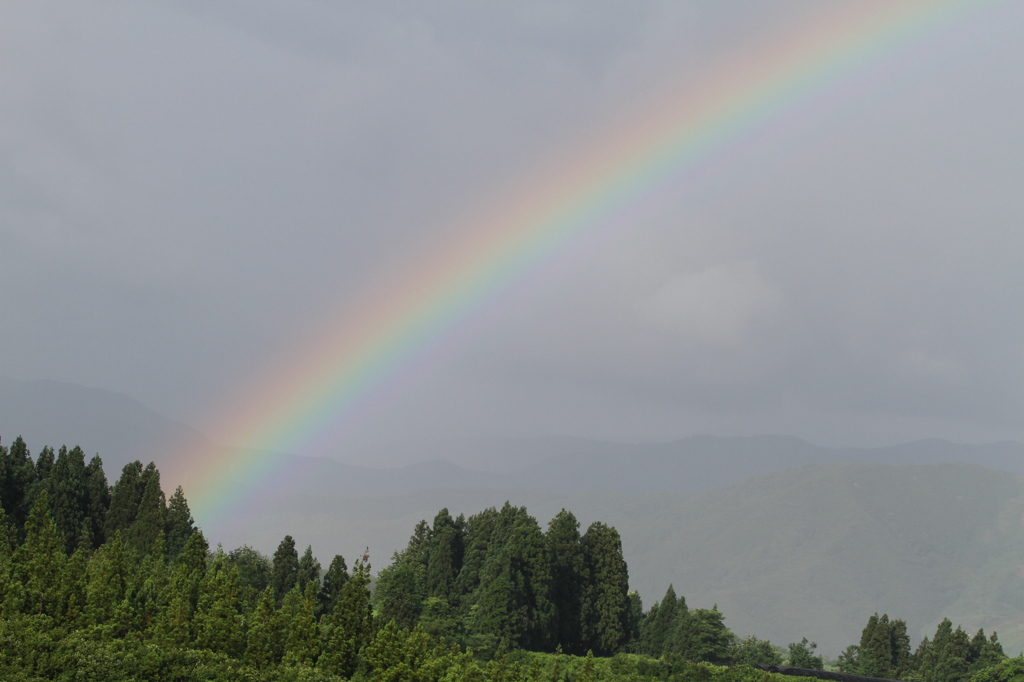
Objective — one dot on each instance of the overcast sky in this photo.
(187, 189)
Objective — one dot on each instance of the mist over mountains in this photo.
(790, 539)
(122, 429)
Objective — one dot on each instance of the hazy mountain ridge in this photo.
(117, 426)
(122, 429)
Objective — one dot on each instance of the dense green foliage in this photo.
(103, 582)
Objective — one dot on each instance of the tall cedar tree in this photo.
(179, 523)
(308, 571)
(17, 474)
(69, 502)
(513, 598)
(151, 514)
(148, 598)
(418, 547)
(350, 627)
(479, 531)
(174, 625)
(124, 499)
(884, 648)
(219, 624)
(7, 535)
(568, 576)
(253, 571)
(400, 591)
(302, 641)
(946, 659)
(285, 573)
(39, 564)
(44, 467)
(263, 641)
(661, 623)
(398, 654)
(97, 501)
(334, 581)
(606, 599)
(75, 583)
(444, 556)
(109, 579)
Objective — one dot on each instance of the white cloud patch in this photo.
(920, 363)
(714, 306)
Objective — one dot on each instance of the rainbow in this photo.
(707, 120)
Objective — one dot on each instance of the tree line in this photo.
(103, 581)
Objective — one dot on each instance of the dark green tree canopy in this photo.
(308, 571)
(285, 573)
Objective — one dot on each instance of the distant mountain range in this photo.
(122, 429)
(790, 539)
(116, 426)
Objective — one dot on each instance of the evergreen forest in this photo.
(116, 582)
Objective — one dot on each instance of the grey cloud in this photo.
(188, 190)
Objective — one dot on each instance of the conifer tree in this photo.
(109, 582)
(702, 636)
(179, 523)
(568, 576)
(400, 591)
(513, 598)
(397, 654)
(661, 623)
(97, 496)
(39, 563)
(150, 516)
(418, 548)
(219, 625)
(606, 599)
(985, 653)
(7, 534)
(68, 495)
(44, 465)
(334, 581)
(872, 655)
(444, 556)
(124, 500)
(17, 475)
(302, 643)
(174, 624)
(285, 573)
(479, 531)
(899, 648)
(923, 650)
(350, 627)
(253, 572)
(148, 599)
(945, 660)
(308, 571)
(263, 641)
(76, 580)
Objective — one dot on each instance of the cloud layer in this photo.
(187, 191)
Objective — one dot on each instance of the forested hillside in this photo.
(116, 582)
